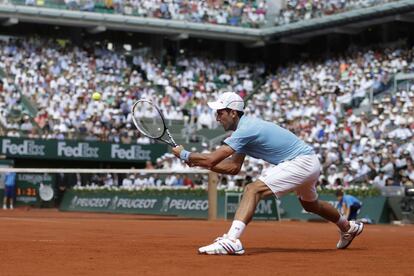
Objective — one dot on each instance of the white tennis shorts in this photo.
(300, 175)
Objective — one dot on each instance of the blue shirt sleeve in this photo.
(240, 138)
(339, 204)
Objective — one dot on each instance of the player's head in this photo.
(229, 107)
(339, 194)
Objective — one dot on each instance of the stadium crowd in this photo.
(312, 99)
(247, 13)
(243, 13)
(297, 10)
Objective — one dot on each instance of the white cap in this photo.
(228, 100)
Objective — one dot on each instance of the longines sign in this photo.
(79, 150)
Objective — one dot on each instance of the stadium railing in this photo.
(407, 78)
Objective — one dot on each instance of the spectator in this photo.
(333, 175)
(109, 181)
(128, 181)
(380, 180)
(187, 182)
(72, 4)
(89, 6)
(149, 165)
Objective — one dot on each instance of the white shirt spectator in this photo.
(380, 180)
(171, 180)
(108, 181)
(363, 169)
(128, 181)
(205, 119)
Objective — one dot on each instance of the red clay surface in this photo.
(49, 242)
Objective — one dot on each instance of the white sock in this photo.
(236, 229)
(343, 224)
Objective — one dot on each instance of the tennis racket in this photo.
(148, 119)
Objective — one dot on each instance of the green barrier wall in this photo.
(184, 205)
(266, 209)
(138, 203)
(378, 209)
(373, 208)
(196, 205)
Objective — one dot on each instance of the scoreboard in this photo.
(27, 187)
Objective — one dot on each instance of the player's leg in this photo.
(303, 173)
(5, 201)
(353, 212)
(11, 203)
(325, 210)
(7, 197)
(230, 243)
(11, 197)
(348, 230)
(253, 192)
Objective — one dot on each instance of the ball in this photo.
(96, 96)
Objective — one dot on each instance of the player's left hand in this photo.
(177, 150)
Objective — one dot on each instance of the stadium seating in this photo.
(247, 13)
(322, 102)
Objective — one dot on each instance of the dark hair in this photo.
(239, 113)
(338, 181)
(339, 193)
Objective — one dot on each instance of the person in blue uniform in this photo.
(9, 190)
(348, 205)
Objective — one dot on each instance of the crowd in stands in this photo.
(246, 13)
(297, 10)
(310, 98)
(144, 180)
(243, 13)
(60, 79)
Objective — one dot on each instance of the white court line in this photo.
(48, 241)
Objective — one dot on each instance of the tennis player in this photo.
(294, 167)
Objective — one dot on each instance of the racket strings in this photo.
(148, 119)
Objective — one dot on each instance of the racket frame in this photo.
(171, 140)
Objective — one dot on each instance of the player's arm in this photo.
(215, 160)
(230, 165)
(345, 210)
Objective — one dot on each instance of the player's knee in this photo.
(251, 189)
(248, 189)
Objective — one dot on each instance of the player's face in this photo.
(227, 118)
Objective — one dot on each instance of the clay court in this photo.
(49, 242)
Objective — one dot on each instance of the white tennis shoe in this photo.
(223, 246)
(347, 237)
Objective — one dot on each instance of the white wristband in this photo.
(185, 155)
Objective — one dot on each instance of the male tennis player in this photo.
(295, 167)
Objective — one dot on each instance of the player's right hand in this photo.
(177, 150)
